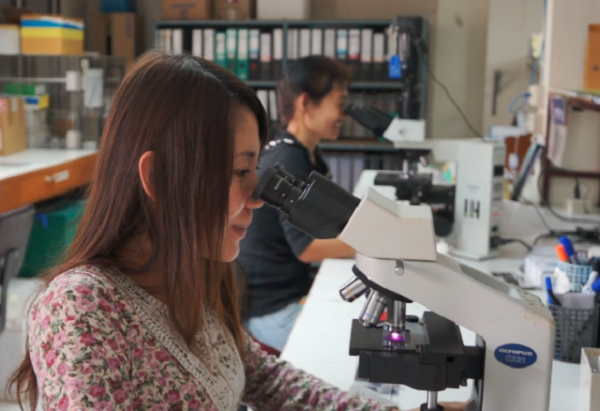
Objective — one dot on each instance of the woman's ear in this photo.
(145, 166)
(302, 102)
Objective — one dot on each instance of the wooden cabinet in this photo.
(46, 183)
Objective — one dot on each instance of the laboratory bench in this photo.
(35, 175)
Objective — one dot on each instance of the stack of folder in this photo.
(51, 34)
(258, 53)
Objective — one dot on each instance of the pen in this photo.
(569, 249)
(551, 297)
(561, 253)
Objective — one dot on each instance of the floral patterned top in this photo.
(99, 341)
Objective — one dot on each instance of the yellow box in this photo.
(51, 34)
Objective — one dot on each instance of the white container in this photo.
(282, 9)
(589, 380)
(10, 39)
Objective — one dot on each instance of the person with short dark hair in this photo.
(275, 255)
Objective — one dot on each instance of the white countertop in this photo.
(319, 340)
(34, 159)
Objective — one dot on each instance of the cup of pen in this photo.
(573, 304)
(578, 274)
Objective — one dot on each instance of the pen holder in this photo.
(578, 274)
(574, 329)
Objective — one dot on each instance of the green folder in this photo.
(221, 56)
(242, 66)
(231, 49)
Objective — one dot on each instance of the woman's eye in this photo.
(242, 173)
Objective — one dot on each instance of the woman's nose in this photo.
(254, 204)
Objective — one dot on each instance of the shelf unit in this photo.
(286, 25)
(576, 103)
(355, 145)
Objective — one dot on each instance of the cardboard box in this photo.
(13, 137)
(282, 9)
(113, 34)
(591, 76)
(51, 34)
(10, 39)
(234, 9)
(185, 9)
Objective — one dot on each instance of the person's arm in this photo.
(79, 347)
(318, 250)
(274, 385)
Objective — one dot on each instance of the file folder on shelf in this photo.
(208, 49)
(242, 64)
(265, 56)
(277, 53)
(231, 49)
(254, 54)
(220, 52)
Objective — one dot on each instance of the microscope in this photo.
(396, 263)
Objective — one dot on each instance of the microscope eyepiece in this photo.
(319, 207)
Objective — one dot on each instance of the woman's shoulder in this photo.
(84, 289)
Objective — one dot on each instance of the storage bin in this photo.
(53, 231)
(574, 330)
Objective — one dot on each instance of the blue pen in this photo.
(551, 297)
(569, 249)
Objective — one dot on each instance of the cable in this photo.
(477, 134)
(502, 241)
(422, 49)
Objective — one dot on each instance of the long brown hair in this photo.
(183, 109)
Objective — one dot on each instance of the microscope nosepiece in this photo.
(372, 310)
(353, 289)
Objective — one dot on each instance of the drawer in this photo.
(44, 184)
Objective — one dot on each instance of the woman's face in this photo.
(243, 182)
(325, 119)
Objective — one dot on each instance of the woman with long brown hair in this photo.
(143, 312)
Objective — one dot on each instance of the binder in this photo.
(379, 65)
(273, 113)
(277, 53)
(265, 56)
(317, 42)
(208, 49)
(354, 52)
(197, 42)
(168, 41)
(392, 46)
(304, 48)
(159, 40)
(329, 43)
(366, 54)
(342, 45)
(231, 49)
(292, 44)
(292, 48)
(263, 96)
(177, 41)
(242, 65)
(253, 54)
(221, 56)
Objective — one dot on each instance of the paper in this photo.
(93, 88)
(558, 130)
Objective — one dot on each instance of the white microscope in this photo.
(396, 263)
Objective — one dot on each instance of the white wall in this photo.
(510, 25)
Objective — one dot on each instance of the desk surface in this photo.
(35, 159)
(319, 340)
(35, 175)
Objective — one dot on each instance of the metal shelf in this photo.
(355, 144)
(262, 83)
(375, 85)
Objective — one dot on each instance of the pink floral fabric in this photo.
(90, 350)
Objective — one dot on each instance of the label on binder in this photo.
(395, 71)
